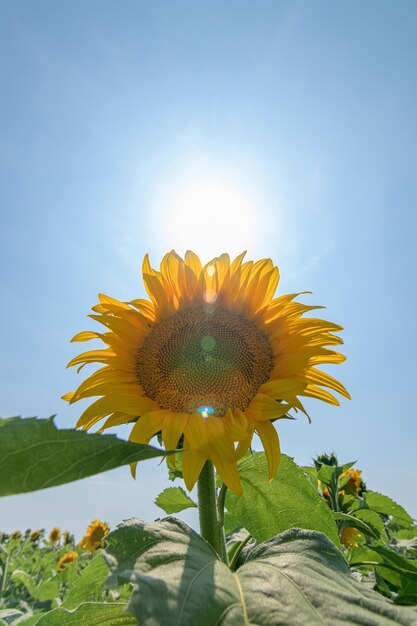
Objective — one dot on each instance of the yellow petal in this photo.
(104, 376)
(282, 389)
(132, 405)
(93, 356)
(147, 426)
(312, 391)
(68, 396)
(269, 438)
(228, 472)
(322, 378)
(218, 438)
(194, 263)
(263, 407)
(111, 304)
(174, 426)
(117, 419)
(243, 446)
(94, 413)
(86, 335)
(147, 268)
(192, 464)
(159, 296)
(237, 424)
(127, 390)
(144, 307)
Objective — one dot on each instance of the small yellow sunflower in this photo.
(94, 535)
(350, 536)
(212, 357)
(34, 535)
(68, 557)
(16, 534)
(54, 535)
(354, 485)
(68, 538)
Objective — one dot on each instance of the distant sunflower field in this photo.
(39, 570)
(329, 533)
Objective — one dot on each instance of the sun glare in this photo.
(209, 214)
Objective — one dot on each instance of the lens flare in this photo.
(206, 411)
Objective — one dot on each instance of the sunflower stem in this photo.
(209, 526)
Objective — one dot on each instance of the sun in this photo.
(209, 213)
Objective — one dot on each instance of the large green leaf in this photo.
(90, 614)
(174, 500)
(295, 579)
(34, 454)
(288, 501)
(89, 585)
(385, 505)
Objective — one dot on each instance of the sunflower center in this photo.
(205, 360)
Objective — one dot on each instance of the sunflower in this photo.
(68, 557)
(54, 535)
(350, 537)
(94, 535)
(68, 538)
(211, 358)
(35, 534)
(16, 534)
(354, 486)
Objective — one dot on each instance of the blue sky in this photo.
(289, 128)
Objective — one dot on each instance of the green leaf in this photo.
(383, 504)
(90, 614)
(48, 589)
(288, 501)
(23, 577)
(174, 500)
(406, 599)
(407, 533)
(343, 480)
(31, 620)
(297, 578)
(372, 519)
(175, 471)
(408, 591)
(398, 572)
(348, 503)
(403, 565)
(230, 523)
(13, 617)
(89, 585)
(325, 473)
(351, 520)
(34, 454)
(311, 473)
(347, 466)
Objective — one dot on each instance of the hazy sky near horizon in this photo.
(287, 128)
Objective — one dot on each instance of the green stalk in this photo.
(238, 551)
(206, 488)
(220, 522)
